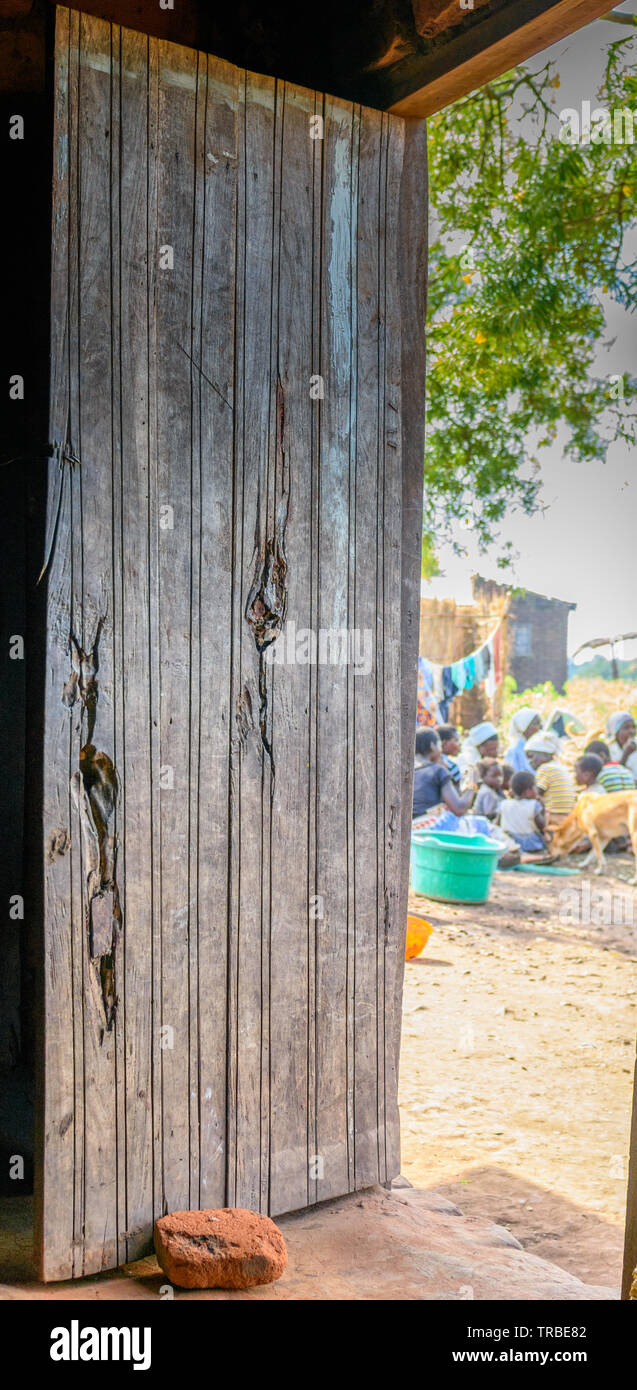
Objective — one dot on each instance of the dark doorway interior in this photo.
(23, 457)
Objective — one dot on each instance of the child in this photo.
(553, 780)
(450, 744)
(522, 816)
(587, 771)
(507, 773)
(487, 802)
(613, 776)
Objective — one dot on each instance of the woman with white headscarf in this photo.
(480, 742)
(620, 731)
(524, 724)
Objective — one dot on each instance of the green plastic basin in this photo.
(453, 868)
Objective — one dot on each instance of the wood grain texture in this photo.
(237, 525)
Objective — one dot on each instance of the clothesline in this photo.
(442, 664)
(439, 684)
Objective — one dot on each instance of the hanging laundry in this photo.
(489, 682)
(484, 665)
(497, 655)
(470, 672)
(459, 674)
(427, 710)
(481, 665)
(425, 670)
(449, 687)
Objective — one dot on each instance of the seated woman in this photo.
(621, 730)
(438, 806)
(524, 724)
(450, 744)
(481, 742)
(433, 784)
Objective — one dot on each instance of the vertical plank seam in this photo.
(124, 1025)
(275, 361)
(65, 422)
(81, 588)
(317, 619)
(189, 914)
(117, 636)
(152, 157)
(350, 957)
(312, 789)
(234, 792)
(386, 122)
(379, 636)
(200, 562)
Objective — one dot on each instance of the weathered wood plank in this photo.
(315, 900)
(153, 350)
(118, 822)
(366, 684)
(393, 937)
(240, 713)
(134, 291)
(177, 124)
(75, 607)
(290, 672)
(217, 415)
(193, 348)
(93, 619)
(331, 747)
(250, 712)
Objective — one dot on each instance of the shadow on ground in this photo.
(545, 1223)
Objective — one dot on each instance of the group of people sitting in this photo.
(528, 794)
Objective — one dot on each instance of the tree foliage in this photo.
(529, 233)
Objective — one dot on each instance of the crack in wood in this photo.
(82, 681)
(95, 790)
(267, 600)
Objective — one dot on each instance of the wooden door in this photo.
(237, 399)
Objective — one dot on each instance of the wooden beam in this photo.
(409, 58)
(424, 83)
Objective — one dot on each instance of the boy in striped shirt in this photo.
(614, 777)
(553, 780)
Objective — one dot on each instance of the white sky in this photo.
(582, 547)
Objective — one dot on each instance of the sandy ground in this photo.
(517, 1063)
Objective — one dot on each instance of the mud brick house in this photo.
(536, 632)
(216, 299)
(449, 631)
(534, 635)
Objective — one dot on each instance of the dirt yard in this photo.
(517, 1062)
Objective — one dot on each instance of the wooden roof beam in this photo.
(423, 83)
